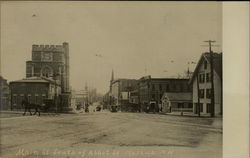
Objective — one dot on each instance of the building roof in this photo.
(175, 96)
(155, 78)
(35, 79)
(217, 63)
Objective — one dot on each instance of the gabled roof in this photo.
(217, 63)
(175, 96)
(35, 79)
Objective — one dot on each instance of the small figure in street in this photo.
(87, 108)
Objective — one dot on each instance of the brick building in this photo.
(151, 91)
(36, 89)
(4, 94)
(52, 61)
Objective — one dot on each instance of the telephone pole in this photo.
(212, 107)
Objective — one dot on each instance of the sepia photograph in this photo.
(111, 79)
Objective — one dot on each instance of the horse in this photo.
(38, 108)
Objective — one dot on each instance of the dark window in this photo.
(153, 87)
(201, 107)
(208, 93)
(181, 87)
(205, 64)
(14, 99)
(208, 108)
(202, 78)
(153, 96)
(167, 87)
(36, 99)
(160, 87)
(148, 85)
(29, 98)
(190, 105)
(174, 87)
(180, 105)
(201, 93)
(207, 77)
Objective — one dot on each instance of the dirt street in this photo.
(111, 135)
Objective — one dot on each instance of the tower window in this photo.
(46, 72)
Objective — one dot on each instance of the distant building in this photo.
(120, 92)
(36, 89)
(79, 99)
(106, 100)
(151, 91)
(4, 94)
(172, 101)
(202, 78)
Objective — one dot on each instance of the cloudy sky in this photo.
(133, 38)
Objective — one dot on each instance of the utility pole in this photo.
(212, 77)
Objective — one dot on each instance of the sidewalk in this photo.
(189, 114)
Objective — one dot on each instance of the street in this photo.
(105, 134)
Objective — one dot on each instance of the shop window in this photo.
(180, 105)
(208, 108)
(190, 105)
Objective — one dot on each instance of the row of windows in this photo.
(181, 105)
(18, 98)
(166, 87)
(202, 77)
(202, 93)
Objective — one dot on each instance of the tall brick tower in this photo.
(51, 61)
(66, 75)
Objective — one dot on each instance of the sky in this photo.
(132, 38)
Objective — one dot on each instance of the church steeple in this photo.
(112, 79)
(112, 76)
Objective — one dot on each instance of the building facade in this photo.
(151, 91)
(180, 102)
(202, 85)
(36, 89)
(120, 92)
(4, 94)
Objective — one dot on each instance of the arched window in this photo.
(46, 72)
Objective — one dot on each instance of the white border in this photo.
(236, 79)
